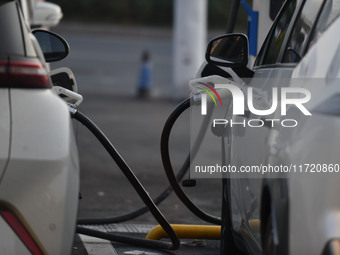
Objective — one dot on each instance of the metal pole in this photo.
(233, 16)
(189, 42)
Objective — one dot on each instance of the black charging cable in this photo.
(140, 211)
(168, 166)
(150, 204)
(162, 196)
(175, 243)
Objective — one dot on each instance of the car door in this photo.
(284, 46)
(315, 140)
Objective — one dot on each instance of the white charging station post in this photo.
(189, 42)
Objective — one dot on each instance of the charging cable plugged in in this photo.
(73, 99)
(150, 204)
(143, 194)
(167, 165)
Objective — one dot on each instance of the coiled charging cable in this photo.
(168, 166)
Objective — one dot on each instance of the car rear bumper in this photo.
(41, 182)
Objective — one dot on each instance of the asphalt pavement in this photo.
(106, 61)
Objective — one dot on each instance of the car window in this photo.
(301, 31)
(329, 13)
(271, 48)
(10, 30)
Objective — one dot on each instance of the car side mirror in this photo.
(229, 50)
(53, 46)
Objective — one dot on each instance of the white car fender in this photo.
(44, 164)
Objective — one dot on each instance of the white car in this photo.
(296, 208)
(39, 169)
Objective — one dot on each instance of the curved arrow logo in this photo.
(209, 93)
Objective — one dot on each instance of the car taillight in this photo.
(3, 73)
(23, 74)
(20, 231)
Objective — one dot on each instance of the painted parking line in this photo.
(95, 246)
(100, 246)
(121, 228)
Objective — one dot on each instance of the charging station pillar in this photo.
(189, 42)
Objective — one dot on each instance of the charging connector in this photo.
(71, 98)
